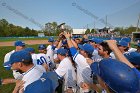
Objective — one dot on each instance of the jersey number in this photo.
(41, 60)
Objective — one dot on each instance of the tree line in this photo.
(51, 29)
(10, 30)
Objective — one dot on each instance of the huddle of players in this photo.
(84, 66)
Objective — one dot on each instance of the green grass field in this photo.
(7, 73)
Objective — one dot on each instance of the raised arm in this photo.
(67, 35)
(113, 46)
(74, 44)
(59, 45)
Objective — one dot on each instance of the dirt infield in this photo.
(28, 42)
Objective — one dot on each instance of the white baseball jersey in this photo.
(112, 55)
(55, 53)
(7, 56)
(16, 75)
(83, 68)
(50, 53)
(41, 58)
(34, 58)
(132, 50)
(32, 75)
(67, 71)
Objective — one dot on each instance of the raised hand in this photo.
(67, 34)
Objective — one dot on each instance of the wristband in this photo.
(68, 38)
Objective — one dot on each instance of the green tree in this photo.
(7, 29)
(87, 31)
(93, 31)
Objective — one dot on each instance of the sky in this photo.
(76, 13)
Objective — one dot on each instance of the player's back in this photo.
(41, 58)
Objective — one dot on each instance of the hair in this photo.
(106, 47)
(127, 48)
(27, 62)
(89, 54)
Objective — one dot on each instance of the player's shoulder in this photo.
(9, 53)
(66, 60)
(49, 46)
(40, 54)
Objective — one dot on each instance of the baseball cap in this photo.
(133, 57)
(97, 41)
(75, 37)
(30, 49)
(51, 39)
(123, 43)
(86, 47)
(19, 43)
(112, 72)
(62, 51)
(42, 85)
(126, 39)
(42, 47)
(19, 56)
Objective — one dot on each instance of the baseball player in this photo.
(123, 47)
(66, 70)
(22, 62)
(128, 40)
(41, 58)
(49, 49)
(81, 59)
(19, 45)
(95, 43)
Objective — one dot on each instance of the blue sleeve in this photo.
(73, 51)
(95, 68)
(136, 71)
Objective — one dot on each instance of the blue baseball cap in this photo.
(133, 57)
(18, 56)
(112, 72)
(30, 49)
(75, 37)
(19, 43)
(123, 43)
(97, 41)
(86, 47)
(42, 85)
(51, 39)
(126, 39)
(42, 47)
(62, 51)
